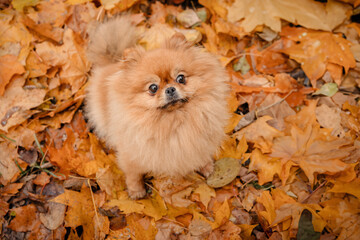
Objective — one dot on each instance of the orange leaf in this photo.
(42, 179)
(316, 50)
(9, 66)
(266, 166)
(26, 218)
(352, 188)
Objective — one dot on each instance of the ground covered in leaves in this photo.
(294, 131)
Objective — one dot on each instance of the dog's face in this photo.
(165, 79)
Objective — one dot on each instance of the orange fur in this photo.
(148, 137)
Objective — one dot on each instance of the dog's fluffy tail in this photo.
(109, 40)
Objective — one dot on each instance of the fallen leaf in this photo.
(54, 217)
(17, 102)
(316, 50)
(260, 133)
(225, 171)
(81, 212)
(9, 66)
(352, 187)
(328, 89)
(205, 193)
(11, 189)
(42, 179)
(306, 229)
(266, 167)
(26, 218)
(307, 13)
(8, 155)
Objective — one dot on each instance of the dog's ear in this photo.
(134, 54)
(178, 40)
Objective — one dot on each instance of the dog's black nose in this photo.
(170, 91)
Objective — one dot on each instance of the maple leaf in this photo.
(342, 217)
(316, 50)
(352, 187)
(307, 13)
(17, 102)
(81, 212)
(260, 133)
(308, 149)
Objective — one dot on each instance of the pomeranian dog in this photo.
(163, 110)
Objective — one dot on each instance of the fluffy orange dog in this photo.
(163, 111)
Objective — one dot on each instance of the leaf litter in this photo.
(291, 159)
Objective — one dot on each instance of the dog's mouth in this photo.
(174, 103)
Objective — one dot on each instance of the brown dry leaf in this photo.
(260, 133)
(11, 189)
(352, 187)
(205, 193)
(307, 13)
(111, 180)
(53, 12)
(154, 207)
(313, 151)
(72, 154)
(15, 39)
(166, 229)
(35, 65)
(316, 50)
(266, 167)
(17, 102)
(45, 30)
(42, 179)
(342, 217)
(81, 212)
(54, 217)
(26, 218)
(167, 187)
(8, 155)
(330, 118)
(215, 6)
(156, 35)
(70, 57)
(142, 227)
(161, 12)
(9, 66)
(230, 148)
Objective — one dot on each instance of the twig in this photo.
(93, 200)
(320, 186)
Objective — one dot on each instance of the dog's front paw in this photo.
(137, 193)
(207, 169)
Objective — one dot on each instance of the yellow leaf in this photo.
(75, 2)
(260, 133)
(231, 149)
(154, 207)
(266, 166)
(20, 4)
(215, 6)
(307, 13)
(81, 211)
(205, 192)
(352, 188)
(156, 35)
(126, 205)
(246, 230)
(222, 214)
(266, 200)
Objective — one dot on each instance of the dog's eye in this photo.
(180, 79)
(153, 88)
